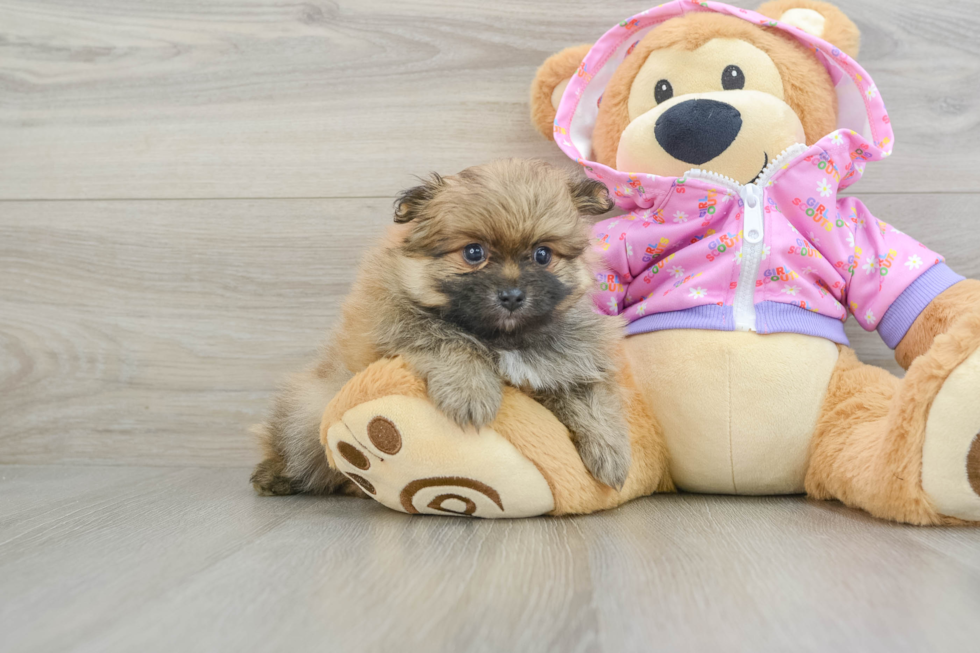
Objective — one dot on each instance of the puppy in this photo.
(484, 280)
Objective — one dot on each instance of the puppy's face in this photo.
(498, 249)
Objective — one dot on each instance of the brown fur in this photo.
(867, 450)
(556, 69)
(806, 84)
(946, 308)
(388, 376)
(292, 464)
(400, 305)
(537, 435)
(838, 28)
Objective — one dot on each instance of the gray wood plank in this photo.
(21, 502)
(774, 574)
(153, 332)
(191, 560)
(267, 98)
(150, 333)
(80, 566)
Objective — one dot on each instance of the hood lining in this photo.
(581, 124)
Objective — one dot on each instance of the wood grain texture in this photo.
(147, 335)
(153, 332)
(165, 559)
(267, 98)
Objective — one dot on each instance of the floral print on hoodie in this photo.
(675, 260)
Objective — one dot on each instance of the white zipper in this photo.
(753, 231)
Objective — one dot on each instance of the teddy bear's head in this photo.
(709, 90)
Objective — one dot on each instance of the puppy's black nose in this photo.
(511, 299)
(697, 131)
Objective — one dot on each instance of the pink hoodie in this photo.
(784, 254)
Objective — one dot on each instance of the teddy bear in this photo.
(725, 136)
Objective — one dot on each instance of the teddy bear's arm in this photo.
(894, 278)
(944, 310)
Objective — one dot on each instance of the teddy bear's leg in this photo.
(384, 434)
(904, 449)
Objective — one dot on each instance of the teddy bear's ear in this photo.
(820, 19)
(550, 82)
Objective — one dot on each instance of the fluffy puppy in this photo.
(484, 279)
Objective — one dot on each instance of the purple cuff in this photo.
(899, 317)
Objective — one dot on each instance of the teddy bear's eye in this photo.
(733, 78)
(663, 91)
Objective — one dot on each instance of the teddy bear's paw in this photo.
(951, 453)
(973, 465)
(408, 456)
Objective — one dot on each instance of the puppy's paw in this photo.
(605, 449)
(609, 463)
(470, 400)
(269, 479)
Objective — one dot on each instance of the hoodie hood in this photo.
(861, 112)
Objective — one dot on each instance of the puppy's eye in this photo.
(663, 91)
(474, 254)
(542, 256)
(733, 78)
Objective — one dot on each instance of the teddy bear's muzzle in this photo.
(697, 131)
(732, 133)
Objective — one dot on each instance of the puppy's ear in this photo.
(591, 197)
(818, 18)
(410, 203)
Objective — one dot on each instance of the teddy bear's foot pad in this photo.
(951, 454)
(408, 456)
(973, 465)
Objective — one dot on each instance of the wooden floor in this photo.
(107, 559)
(185, 188)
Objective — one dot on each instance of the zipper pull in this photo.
(751, 196)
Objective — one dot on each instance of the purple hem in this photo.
(771, 317)
(776, 317)
(709, 316)
(902, 313)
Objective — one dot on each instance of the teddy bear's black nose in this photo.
(697, 131)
